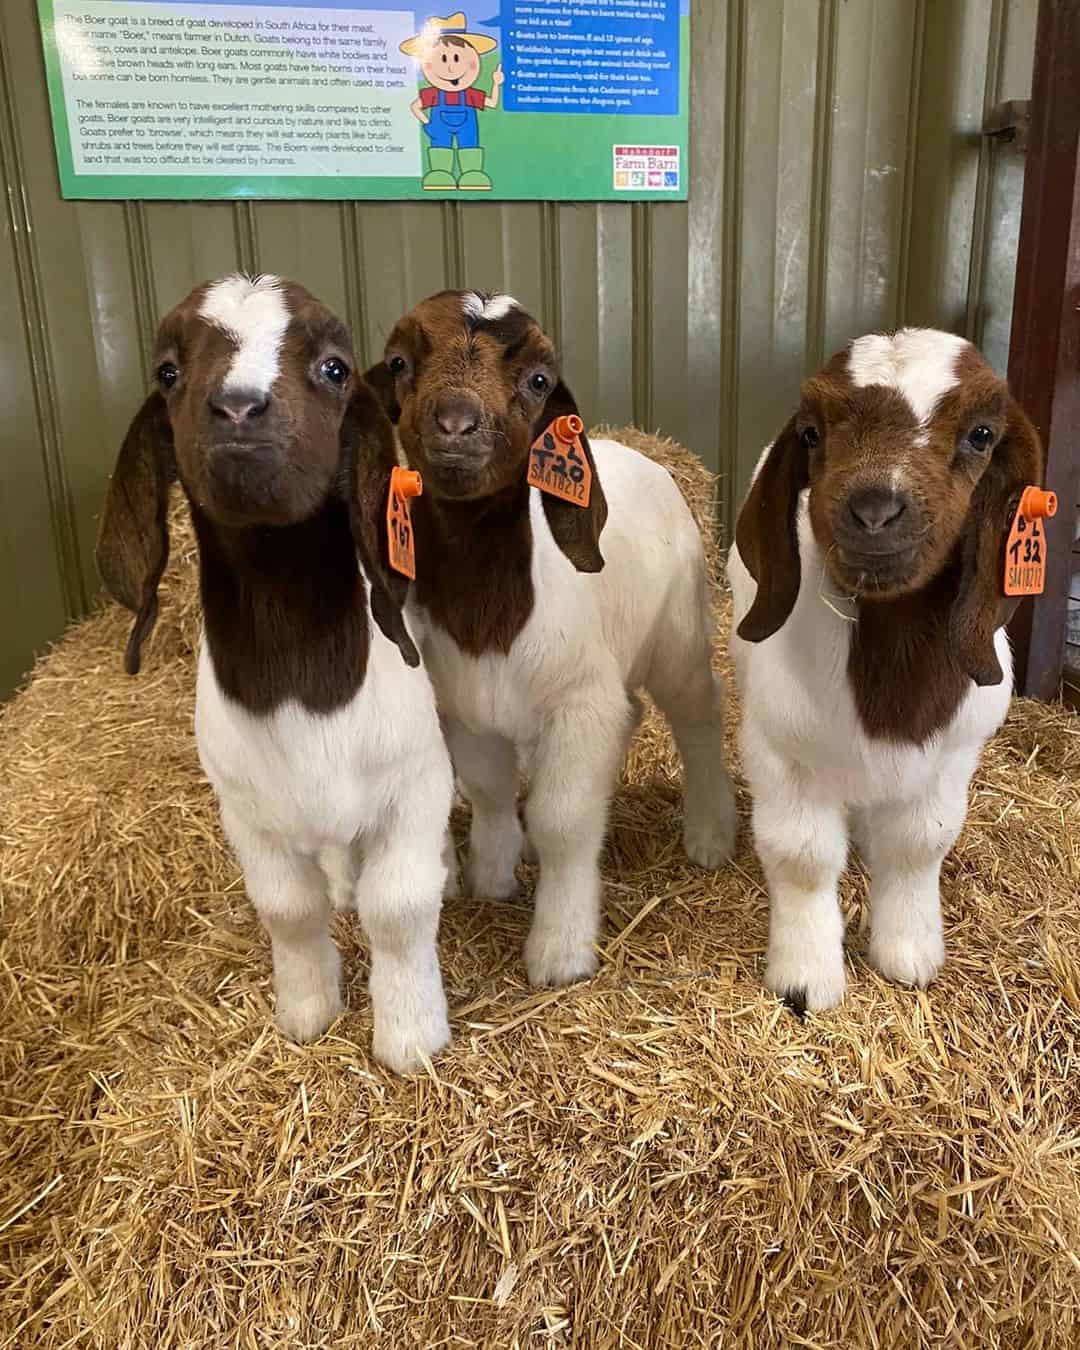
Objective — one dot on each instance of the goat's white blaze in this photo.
(491, 307)
(253, 312)
(920, 363)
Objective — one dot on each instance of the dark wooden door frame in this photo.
(1044, 352)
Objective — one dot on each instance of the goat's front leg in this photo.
(487, 768)
(802, 843)
(289, 894)
(573, 774)
(398, 897)
(904, 845)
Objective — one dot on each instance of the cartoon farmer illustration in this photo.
(449, 58)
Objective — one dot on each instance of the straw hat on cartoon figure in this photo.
(449, 57)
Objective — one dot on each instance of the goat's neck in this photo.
(285, 610)
(903, 669)
(474, 565)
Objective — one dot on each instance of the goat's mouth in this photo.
(879, 574)
(248, 484)
(456, 466)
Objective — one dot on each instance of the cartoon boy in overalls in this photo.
(449, 57)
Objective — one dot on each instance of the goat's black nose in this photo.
(457, 414)
(238, 405)
(875, 509)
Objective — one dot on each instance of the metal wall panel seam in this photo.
(551, 270)
(820, 174)
(706, 284)
(865, 206)
(141, 265)
(980, 225)
(453, 247)
(246, 231)
(730, 252)
(918, 42)
(352, 259)
(641, 334)
(35, 328)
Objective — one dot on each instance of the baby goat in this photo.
(322, 744)
(867, 576)
(534, 645)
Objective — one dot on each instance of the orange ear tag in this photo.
(558, 463)
(404, 483)
(1025, 551)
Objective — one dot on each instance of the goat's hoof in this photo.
(403, 1046)
(907, 959)
(806, 986)
(554, 960)
(305, 1019)
(485, 881)
(709, 844)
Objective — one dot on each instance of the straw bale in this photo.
(660, 1157)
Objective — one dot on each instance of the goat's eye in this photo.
(539, 383)
(397, 365)
(167, 374)
(980, 438)
(335, 370)
(809, 438)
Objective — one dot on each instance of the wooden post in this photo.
(1044, 352)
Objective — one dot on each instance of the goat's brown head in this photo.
(260, 414)
(915, 454)
(472, 380)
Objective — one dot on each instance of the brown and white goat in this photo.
(322, 744)
(867, 576)
(543, 616)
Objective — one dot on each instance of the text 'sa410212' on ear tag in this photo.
(1025, 549)
(400, 542)
(558, 463)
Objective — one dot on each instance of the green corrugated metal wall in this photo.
(839, 183)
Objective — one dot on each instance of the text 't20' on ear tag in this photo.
(558, 463)
(1025, 550)
(401, 546)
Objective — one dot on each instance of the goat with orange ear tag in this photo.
(555, 575)
(876, 557)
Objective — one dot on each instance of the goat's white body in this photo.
(559, 703)
(347, 807)
(816, 775)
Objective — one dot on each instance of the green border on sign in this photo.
(529, 156)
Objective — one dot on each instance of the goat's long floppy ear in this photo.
(576, 529)
(981, 607)
(367, 441)
(133, 541)
(380, 379)
(767, 535)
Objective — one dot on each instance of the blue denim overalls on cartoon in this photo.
(450, 120)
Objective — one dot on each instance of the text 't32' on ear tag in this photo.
(558, 463)
(401, 545)
(1025, 550)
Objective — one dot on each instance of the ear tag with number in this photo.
(558, 463)
(404, 483)
(1025, 551)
